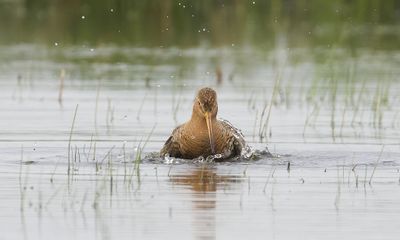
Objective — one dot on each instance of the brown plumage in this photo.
(204, 135)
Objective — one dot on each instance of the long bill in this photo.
(210, 131)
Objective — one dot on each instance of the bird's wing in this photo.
(171, 146)
(239, 144)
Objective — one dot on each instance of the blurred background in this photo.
(261, 23)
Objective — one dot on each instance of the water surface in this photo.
(329, 177)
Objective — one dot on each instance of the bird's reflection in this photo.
(204, 183)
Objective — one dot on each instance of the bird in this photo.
(204, 135)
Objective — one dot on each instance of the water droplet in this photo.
(111, 10)
(204, 29)
(233, 44)
(254, 2)
(56, 44)
(168, 159)
(91, 49)
(83, 17)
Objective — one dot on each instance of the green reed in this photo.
(70, 140)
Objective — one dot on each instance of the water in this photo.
(329, 177)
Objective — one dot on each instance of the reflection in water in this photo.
(204, 179)
(204, 183)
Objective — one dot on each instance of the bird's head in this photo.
(205, 106)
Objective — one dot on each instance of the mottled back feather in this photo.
(230, 142)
